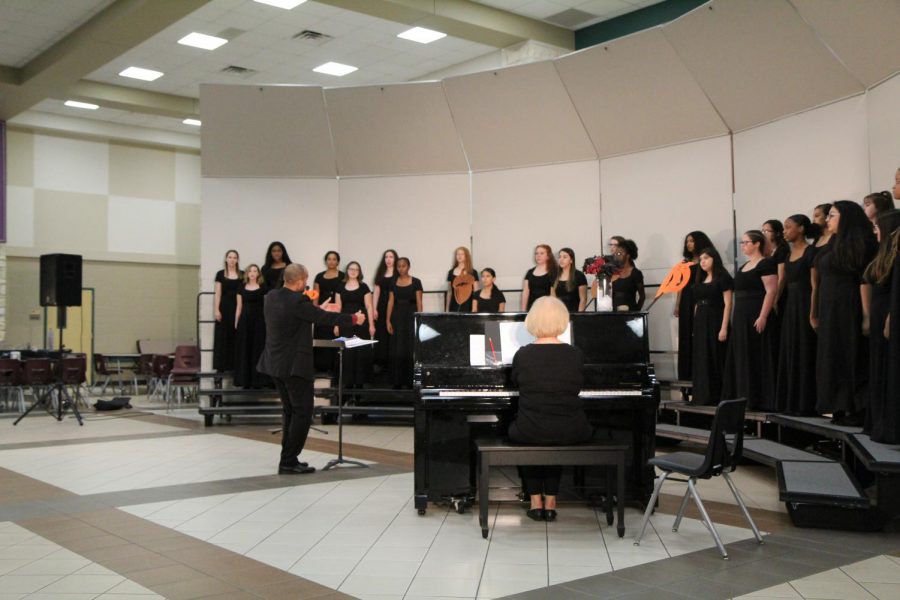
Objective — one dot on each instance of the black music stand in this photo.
(340, 460)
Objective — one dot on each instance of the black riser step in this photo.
(816, 516)
(819, 483)
(762, 451)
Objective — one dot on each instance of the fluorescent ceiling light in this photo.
(194, 122)
(421, 35)
(201, 40)
(77, 104)
(336, 69)
(142, 74)
(288, 4)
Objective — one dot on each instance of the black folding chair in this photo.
(723, 453)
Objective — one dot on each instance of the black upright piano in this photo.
(462, 394)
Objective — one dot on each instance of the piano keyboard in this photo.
(515, 393)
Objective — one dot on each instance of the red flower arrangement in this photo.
(601, 266)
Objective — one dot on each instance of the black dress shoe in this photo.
(549, 515)
(535, 514)
(299, 469)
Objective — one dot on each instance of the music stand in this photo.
(340, 460)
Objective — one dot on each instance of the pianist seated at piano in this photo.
(549, 376)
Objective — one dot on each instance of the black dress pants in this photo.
(296, 416)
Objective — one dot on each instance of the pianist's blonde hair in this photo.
(548, 317)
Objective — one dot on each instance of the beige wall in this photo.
(132, 301)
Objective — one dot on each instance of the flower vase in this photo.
(604, 295)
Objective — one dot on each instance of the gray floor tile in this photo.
(603, 586)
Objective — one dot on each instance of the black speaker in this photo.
(60, 280)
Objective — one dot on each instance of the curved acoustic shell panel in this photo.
(758, 61)
(265, 131)
(635, 93)
(884, 133)
(517, 116)
(394, 130)
(863, 33)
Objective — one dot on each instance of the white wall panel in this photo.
(884, 133)
(657, 197)
(140, 225)
(248, 214)
(422, 217)
(19, 216)
(516, 209)
(789, 166)
(187, 178)
(70, 165)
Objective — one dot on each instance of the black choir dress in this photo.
(626, 290)
(357, 361)
(273, 277)
(887, 411)
(842, 354)
(492, 304)
(382, 349)
(328, 287)
(250, 339)
(467, 305)
(795, 391)
(223, 336)
(686, 327)
(780, 256)
(708, 351)
(571, 298)
(538, 286)
(751, 360)
(402, 339)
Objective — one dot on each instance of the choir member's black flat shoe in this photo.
(535, 514)
(549, 515)
(299, 469)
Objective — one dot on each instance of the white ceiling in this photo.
(601, 10)
(261, 40)
(28, 27)
(369, 43)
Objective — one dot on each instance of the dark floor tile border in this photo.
(95, 440)
(751, 567)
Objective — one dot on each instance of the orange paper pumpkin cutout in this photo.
(677, 279)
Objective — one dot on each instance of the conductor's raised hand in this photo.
(329, 306)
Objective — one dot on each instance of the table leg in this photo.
(620, 493)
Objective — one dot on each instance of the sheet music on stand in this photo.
(355, 342)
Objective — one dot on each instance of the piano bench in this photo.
(502, 452)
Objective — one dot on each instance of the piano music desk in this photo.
(499, 452)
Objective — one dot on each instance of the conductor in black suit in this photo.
(288, 358)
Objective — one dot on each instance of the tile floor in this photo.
(230, 529)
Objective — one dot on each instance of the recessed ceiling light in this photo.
(194, 122)
(421, 35)
(334, 68)
(77, 104)
(288, 4)
(141, 73)
(201, 40)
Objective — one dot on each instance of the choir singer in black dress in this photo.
(326, 284)
(462, 280)
(251, 330)
(288, 359)
(539, 279)
(571, 284)
(385, 276)
(489, 299)
(712, 294)
(841, 312)
(795, 391)
(694, 243)
(354, 296)
(228, 283)
(751, 363)
(404, 301)
(884, 402)
(549, 376)
(273, 268)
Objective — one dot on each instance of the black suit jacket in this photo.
(289, 319)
